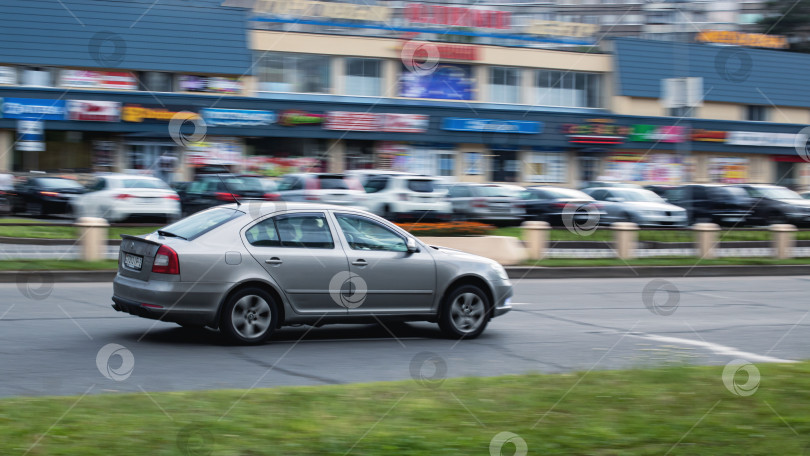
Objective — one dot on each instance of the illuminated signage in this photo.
(33, 108)
(141, 113)
(596, 131)
(237, 117)
(456, 16)
(491, 125)
(293, 117)
(94, 111)
(557, 28)
(373, 121)
(743, 39)
(657, 133)
(708, 135)
(757, 138)
(83, 79)
(209, 84)
(428, 50)
(331, 10)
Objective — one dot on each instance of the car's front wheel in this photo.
(249, 316)
(465, 312)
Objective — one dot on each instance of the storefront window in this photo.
(504, 85)
(155, 81)
(143, 157)
(300, 73)
(363, 77)
(36, 76)
(566, 88)
(546, 167)
(473, 163)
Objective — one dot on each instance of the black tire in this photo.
(245, 330)
(456, 300)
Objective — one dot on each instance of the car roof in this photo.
(267, 207)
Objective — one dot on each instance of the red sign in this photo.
(708, 135)
(373, 121)
(85, 79)
(423, 50)
(95, 111)
(419, 13)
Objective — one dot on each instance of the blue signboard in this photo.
(445, 82)
(237, 117)
(34, 109)
(492, 125)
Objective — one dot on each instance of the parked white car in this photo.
(407, 196)
(117, 197)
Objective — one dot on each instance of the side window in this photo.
(698, 193)
(599, 195)
(376, 184)
(263, 234)
(304, 230)
(366, 234)
(459, 191)
(297, 184)
(98, 184)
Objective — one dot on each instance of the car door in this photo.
(299, 251)
(386, 277)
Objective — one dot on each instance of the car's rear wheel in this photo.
(249, 316)
(465, 312)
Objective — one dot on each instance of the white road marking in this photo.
(715, 348)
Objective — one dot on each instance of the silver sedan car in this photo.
(252, 268)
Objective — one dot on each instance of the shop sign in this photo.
(442, 51)
(237, 117)
(708, 135)
(95, 111)
(447, 82)
(155, 113)
(33, 108)
(491, 125)
(209, 84)
(756, 138)
(30, 135)
(373, 121)
(330, 10)
(8, 75)
(83, 79)
(596, 131)
(743, 39)
(457, 16)
(293, 117)
(658, 133)
(557, 28)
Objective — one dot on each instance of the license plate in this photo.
(133, 261)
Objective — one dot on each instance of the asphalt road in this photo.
(51, 338)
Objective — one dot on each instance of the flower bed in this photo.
(448, 229)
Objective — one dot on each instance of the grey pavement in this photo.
(52, 335)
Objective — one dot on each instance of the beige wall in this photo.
(790, 115)
(709, 110)
(635, 106)
(6, 149)
(721, 111)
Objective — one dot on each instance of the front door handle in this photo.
(274, 260)
(360, 262)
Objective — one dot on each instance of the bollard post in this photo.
(625, 239)
(706, 239)
(783, 239)
(536, 236)
(92, 238)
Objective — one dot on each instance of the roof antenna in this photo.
(233, 195)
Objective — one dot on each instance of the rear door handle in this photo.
(274, 260)
(360, 262)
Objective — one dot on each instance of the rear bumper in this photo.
(180, 302)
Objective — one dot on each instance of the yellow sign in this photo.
(306, 8)
(556, 28)
(138, 113)
(743, 39)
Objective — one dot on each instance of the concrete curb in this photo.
(515, 273)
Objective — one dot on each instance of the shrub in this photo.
(448, 229)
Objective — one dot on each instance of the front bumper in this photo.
(503, 292)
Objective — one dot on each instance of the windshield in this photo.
(143, 183)
(420, 185)
(640, 196)
(202, 222)
(55, 182)
(772, 192)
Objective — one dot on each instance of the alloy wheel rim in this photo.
(467, 312)
(251, 316)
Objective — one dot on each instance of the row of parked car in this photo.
(402, 196)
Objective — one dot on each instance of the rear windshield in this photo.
(55, 182)
(202, 222)
(421, 185)
(332, 183)
(143, 183)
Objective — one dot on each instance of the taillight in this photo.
(272, 197)
(49, 193)
(224, 196)
(172, 197)
(479, 203)
(166, 261)
(559, 205)
(123, 196)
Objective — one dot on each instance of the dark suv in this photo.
(210, 190)
(774, 204)
(716, 203)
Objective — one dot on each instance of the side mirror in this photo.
(412, 245)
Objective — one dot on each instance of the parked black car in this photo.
(549, 203)
(715, 203)
(774, 204)
(45, 195)
(210, 190)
